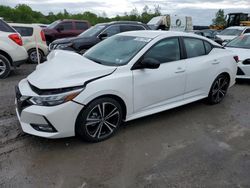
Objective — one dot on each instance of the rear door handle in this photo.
(215, 61)
(180, 70)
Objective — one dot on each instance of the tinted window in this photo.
(24, 31)
(247, 31)
(81, 25)
(112, 30)
(131, 28)
(166, 50)
(208, 47)
(5, 27)
(93, 31)
(66, 26)
(194, 47)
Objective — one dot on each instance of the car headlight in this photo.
(61, 46)
(52, 100)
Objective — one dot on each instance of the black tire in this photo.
(4, 67)
(93, 126)
(218, 89)
(33, 56)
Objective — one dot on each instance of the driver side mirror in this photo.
(103, 36)
(150, 63)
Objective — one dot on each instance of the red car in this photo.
(65, 28)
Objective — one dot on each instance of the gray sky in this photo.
(201, 11)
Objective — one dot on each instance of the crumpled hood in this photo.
(66, 69)
(241, 52)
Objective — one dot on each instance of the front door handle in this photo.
(180, 70)
(215, 61)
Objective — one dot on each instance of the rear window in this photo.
(81, 25)
(5, 27)
(24, 31)
(194, 47)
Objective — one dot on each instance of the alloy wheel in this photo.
(2, 67)
(102, 120)
(219, 89)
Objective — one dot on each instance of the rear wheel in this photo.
(99, 120)
(4, 67)
(218, 89)
(33, 56)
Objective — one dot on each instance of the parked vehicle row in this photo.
(95, 34)
(125, 77)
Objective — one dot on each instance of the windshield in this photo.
(240, 42)
(52, 25)
(117, 50)
(92, 31)
(231, 32)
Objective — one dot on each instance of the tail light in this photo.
(16, 38)
(236, 58)
(43, 36)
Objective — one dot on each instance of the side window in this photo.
(194, 47)
(24, 31)
(81, 25)
(66, 26)
(131, 28)
(112, 30)
(208, 47)
(165, 51)
(247, 31)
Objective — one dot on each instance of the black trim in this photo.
(18, 63)
(34, 125)
(246, 62)
(21, 104)
(240, 72)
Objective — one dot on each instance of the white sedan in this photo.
(125, 77)
(241, 47)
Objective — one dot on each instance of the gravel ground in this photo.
(196, 145)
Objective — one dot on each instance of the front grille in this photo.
(22, 101)
(52, 91)
(240, 72)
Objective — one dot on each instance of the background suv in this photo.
(12, 53)
(30, 34)
(96, 34)
(65, 28)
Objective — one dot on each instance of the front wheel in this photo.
(218, 89)
(99, 120)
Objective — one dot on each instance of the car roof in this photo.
(121, 22)
(153, 34)
(238, 27)
(24, 25)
